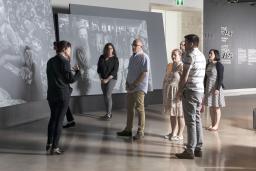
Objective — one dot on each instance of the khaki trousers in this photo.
(135, 102)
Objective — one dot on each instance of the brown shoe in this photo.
(124, 133)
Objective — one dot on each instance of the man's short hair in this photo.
(192, 38)
(138, 41)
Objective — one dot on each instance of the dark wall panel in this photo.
(230, 28)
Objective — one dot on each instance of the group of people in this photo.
(60, 75)
(189, 84)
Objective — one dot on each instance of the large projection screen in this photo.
(88, 35)
(155, 31)
(26, 36)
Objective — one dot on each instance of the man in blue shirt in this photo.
(136, 86)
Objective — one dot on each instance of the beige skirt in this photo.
(170, 106)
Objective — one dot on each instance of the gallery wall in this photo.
(230, 28)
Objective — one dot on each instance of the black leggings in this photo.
(58, 111)
(69, 115)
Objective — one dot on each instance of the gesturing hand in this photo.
(76, 67)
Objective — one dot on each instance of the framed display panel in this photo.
(27, 35)
(88, 36)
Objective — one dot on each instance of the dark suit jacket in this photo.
(59, 77)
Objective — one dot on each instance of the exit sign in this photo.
(179, 2)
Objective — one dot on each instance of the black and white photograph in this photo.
(26, 38)
(89, 34)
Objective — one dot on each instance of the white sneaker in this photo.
(176, 138)
(180, 138)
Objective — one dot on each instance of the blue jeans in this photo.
(191, 107)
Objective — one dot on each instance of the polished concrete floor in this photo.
(93, 145)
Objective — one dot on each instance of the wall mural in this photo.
(26, 36)
(89, 34)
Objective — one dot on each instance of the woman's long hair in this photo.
(105, 50)
(216, 53)
(62, 45)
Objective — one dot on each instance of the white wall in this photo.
(139, 5)
(177, 24)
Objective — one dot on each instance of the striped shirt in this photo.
(196, 62)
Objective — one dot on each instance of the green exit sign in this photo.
(179, 2)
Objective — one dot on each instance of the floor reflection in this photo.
(93, 145)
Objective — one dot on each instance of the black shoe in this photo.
(138, 136)
(198, 153)
(106, 117)
(48, 148)
(56, 151)
(124, 133)
(69, 124)
(185, 155)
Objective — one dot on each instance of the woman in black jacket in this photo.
(70, 118)
(214, 97)
(107, 69)
(59, 76)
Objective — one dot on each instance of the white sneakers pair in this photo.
(173, 138)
